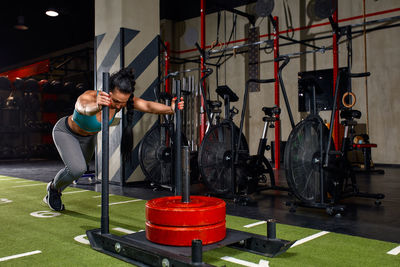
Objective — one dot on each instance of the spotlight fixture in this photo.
(51, 12)
(21, 24)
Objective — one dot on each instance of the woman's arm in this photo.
(90, 102)
(155, 107)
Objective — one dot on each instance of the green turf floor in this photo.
(58, 238)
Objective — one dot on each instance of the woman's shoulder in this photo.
(89, 94)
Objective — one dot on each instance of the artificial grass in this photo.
(54, 236)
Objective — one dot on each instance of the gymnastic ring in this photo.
(214, 44)
(344, 99)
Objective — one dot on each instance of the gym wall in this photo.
(381, 58)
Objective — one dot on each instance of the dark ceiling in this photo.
(74, 25)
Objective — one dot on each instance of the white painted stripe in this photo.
(122, 202)
(394, 251)
(9, 179)
(100, 196)
(311, 237)
(20, 255)
(27, 185)
(254, 224)
(5, 200)
(25, 181)
(82, 239)
(262, 263)
(123, 230)
(73, 192)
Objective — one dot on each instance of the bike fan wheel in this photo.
(155, 155)
(303, 159)
(215, 155)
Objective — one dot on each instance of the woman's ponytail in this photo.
(124, 80)
(127, 133)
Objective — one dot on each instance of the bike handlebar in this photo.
(359, 75)
(285, 59)
(260, 81)
(207, 72)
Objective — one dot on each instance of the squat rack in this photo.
(275, 44)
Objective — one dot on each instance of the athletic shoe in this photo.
(53, 198)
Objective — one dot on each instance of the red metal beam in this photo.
(297, 29)
(336, 128)
(278, 122)
(166, 58)
(203, 46)
(27, 71)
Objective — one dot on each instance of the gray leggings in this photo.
(75, 150)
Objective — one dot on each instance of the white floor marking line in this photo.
(27, 185)
(123, 230)
(394, 251)
(20, 255)
(73, 192)
(262, 263)
(9, 179)
(100, 196)
(311, 237)
(254, 224)
(5, 200)
(122, 202)
(45, 214)
(82, 239)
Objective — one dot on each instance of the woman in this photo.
(75, 135)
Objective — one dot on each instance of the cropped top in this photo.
(88, 123)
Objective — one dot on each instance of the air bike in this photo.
(225, 164)
(178, 228)
(318, 174)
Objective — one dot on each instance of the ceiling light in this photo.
(21, 24)
(51, 12)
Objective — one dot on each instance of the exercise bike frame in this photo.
(324, 165)
(235, 144)
(260, 157)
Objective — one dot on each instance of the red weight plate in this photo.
(183, 236)
(171, 211)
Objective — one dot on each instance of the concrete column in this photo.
(130, 27)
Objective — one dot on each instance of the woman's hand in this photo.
(181, 104)
(103, 99)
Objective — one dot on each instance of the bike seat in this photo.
(214, 104)
(350, 114)
(270, 119)
(225, 90)
(271, 111)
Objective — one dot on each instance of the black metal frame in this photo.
(236, 142)
(333, 207)
(260, 157)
